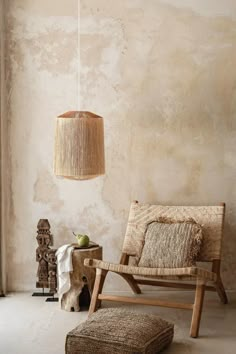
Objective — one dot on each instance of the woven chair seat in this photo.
(194, 272)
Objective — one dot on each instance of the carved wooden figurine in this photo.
(44, 239)
(52, 271)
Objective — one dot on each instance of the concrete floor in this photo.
(29, 325)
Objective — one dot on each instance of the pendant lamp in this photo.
(79, 145)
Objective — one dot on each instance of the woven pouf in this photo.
(115, 330)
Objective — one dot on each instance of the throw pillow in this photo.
(171, 244)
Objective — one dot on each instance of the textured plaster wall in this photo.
(162, 74)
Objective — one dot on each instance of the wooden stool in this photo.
(82, 279)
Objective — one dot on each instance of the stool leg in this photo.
(98, 285)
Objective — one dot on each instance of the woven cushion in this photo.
(171, 244)
(117, 330)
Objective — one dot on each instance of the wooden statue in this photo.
(44, 239)
(52, 271)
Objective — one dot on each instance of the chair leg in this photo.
(219, 285)
(197, 309)
(132, 283)
(221, 291)
(98, 285)
(129, 277)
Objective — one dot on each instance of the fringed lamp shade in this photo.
(79, 145)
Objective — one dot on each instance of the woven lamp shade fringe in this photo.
(79, 145)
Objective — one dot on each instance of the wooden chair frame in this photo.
(135, 282)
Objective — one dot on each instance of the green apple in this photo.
(78, 235)
(83, 240)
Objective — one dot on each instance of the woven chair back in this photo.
(211, 218)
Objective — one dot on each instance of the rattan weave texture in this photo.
(152, 272)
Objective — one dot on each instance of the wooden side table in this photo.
(82, 279)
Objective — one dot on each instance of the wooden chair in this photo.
(210, 217)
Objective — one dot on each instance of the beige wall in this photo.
(162, 74)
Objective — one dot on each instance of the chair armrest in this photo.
(151, 272)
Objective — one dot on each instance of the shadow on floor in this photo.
(179, 348)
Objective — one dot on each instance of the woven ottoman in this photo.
(114, 330)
